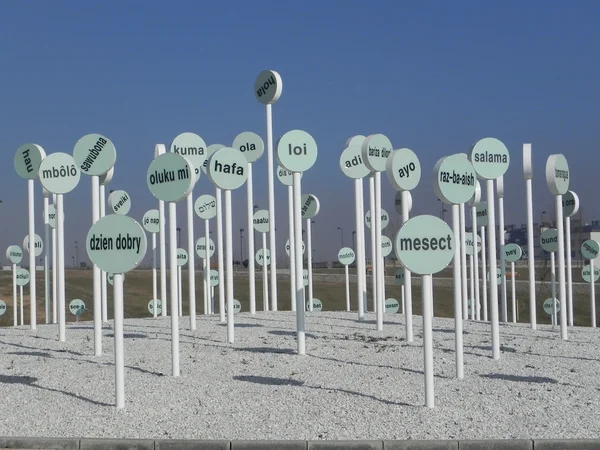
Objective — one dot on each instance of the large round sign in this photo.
(227, 169)
(549, 240)
(260, 257)
(386, 246)
(95, 154)
(201, 247)
(317, 305)
(570, 202)
(28, 159)
(297, 151)
(22, 276)
(398, 201)
(403, 169)
(158, 306)
(586, 272)
(285, 176)
(512, 252)
(2, 307)
(375, 151)
(352, 164)
(59, 174)
(38, 245)
(214, 278)
(206, 206)
(250, 144)
(385, 218)
(287, 247)
(399, 277)
(470, 243)
(192, 147)
(182, 257)
(111, 278)
(425, 244)
(481, 212)
(120, 202)
(346, 256)
(391, 306)
(548, 308)
(151, 221)
(14, 254)
(170, 177)
(589, 249)
(261, 221)
(209, 152)
(268, 87)
(309, 206)
(77, 307)
(557, 174)
(490, 158)
(116, 244)
(454, 180)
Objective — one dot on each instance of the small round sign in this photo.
(590, 249)
(151, 221)
(399, 277)
(385, 218)
(38, 245)
(250, 144)
(77, 307)
(425, 244)
(206, 207)
(116, 244)
(557, 174)
(470, 243)
(549, 240)
(570, 202)
(454, 180)
(214, 278)
(386, 246)
(398, 201)
(309, 206)
(192, 147)
(586, 272)
(95, 154)
(548, 308)
(182, 257)
(170, 177)
(260, 257)
(512, 252)
(52, 215)
(237, 306)
(22, 276)
(28, 159)
(481, 212)
(227, 169)
(490, 158)
(201, 247)
(287, 247)
(211, 149)
(2, 307)
(158, 306)
(391, 305)
(120, 202)
(346, 256)
(352, 164)
(285, 176)
(375, 151)
(111, 277)
(403, 169)
(317, 305)
(297, 151)
(268, 86)
(498, 276)
(59, 174)
(261, 221)
(305, 277)
(14, 254)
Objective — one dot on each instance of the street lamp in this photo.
(342, 234)
(178, 237)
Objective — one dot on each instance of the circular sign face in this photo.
(391, 305)
(386, 246)
(206, 206)
(260, 259)
(119, 202)
(346, 256)
(586, 272)
(316, 304)
(490, 158)
(268, 87)
(469, 243)
(403, 169)
(399, 277)
(570, 202)
(107, 177)
(237, 306)
(95, 154)
(512, 252)
(38, 245)
(261, 221)
(385, 218)
(77, 307)
(110, 277)
(58, 173)
(151, 221)
(481, 212)
(548, 308)
(201, 247)
(22, 276)
(158, 306)
(352, 164)
(305, 277)
(116, 244)
(28, 159)
(182, 257)
(476, 198)
(297, 151)
(398, 201)
(214, 278)
(309, 206)
(210, 151)
(287, 247)
(589, 249)
(170, 177)
(285, 176)
(375, 151)
(52, 215)
(227, 168)
(14, 254)
(2, 307)
(498, 276)
(454, 180)
(549, 240)
(250, 144)
(557, 174)
(193, 148)
(425, 244)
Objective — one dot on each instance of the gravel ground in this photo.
(354, 382)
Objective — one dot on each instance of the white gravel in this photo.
(354, 382)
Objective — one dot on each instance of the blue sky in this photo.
(433, 76)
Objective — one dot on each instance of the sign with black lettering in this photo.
(285, 176)
(557, 174)
(28, 159)
(570, 202)
(586, 273)
(399, 277)
(14, 254)
(151, 221)
(260, 221)
(346, 256)
(59, 173)
(182, 257)
(403, 169)
(268, 87)
(317, 305)
(95, 154)
(386, 246)
(391, 306)
(287, 247)
(297, 151)
(309, 206)
(481, 211)
(201, 247)
(158, 306)
(385, 218)
(549, 240)
(512, 252)
(22, 276)
(490, 158)
(193, 148)
(2, 307)
(454, 182)
(227, 169)
(375, 151)
(77, 307)
(214, 278)
(206, 206)
(119, 202)
(170, 177)
(470, 243)
(589, 249)
(351, 162)
(261, 258)
(250, 144)
(237, 306)
(548, 306)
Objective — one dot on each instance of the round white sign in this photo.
(77, 307)
(227, 168)
(309, 206)
(287, 247)
(151, 221)
(2, 307)
(201, 247)
(385, 218)
(193, 148)
(375, 150)
(158, 306)
(38, 245)
(119, 202)
(481, 212)
(570, 202)
(182, 257)
(346, 256)
(557, 174)
(214, 278)
(285, 176)
(305, 277)
(237, 306)
(14, 254)
(548, 308)
(498, 276)
(52, 215)
(316, 304)
(403, 169)
(399, 277)
(95, 154)
(261, 221)
(170, 177)
(27, 161)
(58, 173)
(268, 87)
(512, 252)
(454, 180)
(206, 206)
(22, 276)
(250, 144)
(391, 305)
(589, 249)
(297, 151)
(398, 201)
(352, 164)
(260, 258)
(549, 240)
(586, 272)
(469, 243)
(210, 151)
(490, 158)
(386, 246)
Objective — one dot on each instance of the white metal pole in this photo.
(553, 281)
(472, 283)
(180, 287)
(569, 269)
(458, 302)
(229, 266)
(220, 256)
(363, 247)
(484, 272)
(513, 292)
(251, 252)
(54, 266)
(531, 255)
(475, 262)
(47, 250)
(97, 296)
(292, 255)
(272, 240)
(265, 274)
(173, 286)
(103, 275)
(60, 244)
(562, 292)
(427, 296)
(407, 278)
(376, 224)
(15, 297)
(463, 261)
(592, 293)
(154, 280)
(309, 263)
(373, 240)
(492, 269)
(502, 255)
(206, 265)
(299, 295)
(163, 257)
(119, 358)
(21, 304)
(191, 261)
(32, 282)
(347, 288)
(360, 258)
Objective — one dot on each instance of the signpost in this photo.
(260, 222)
(206, 209)
(309, 208)
(14, 254)
(346, 256)
(549, 243)
(570, 203)
(151, 223)
(513, 253)
(589, 250)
